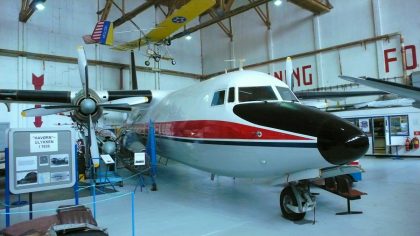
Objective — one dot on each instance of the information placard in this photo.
(41, 159)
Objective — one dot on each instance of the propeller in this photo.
(289, 73)
(133, 72)
(87, 106)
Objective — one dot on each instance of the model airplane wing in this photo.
(391, 87)
(172, 23)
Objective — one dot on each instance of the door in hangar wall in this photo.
(379, 135)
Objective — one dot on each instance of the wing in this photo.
(396, 88)
(172, 23)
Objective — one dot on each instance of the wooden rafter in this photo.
(166, 14)
(227, 15)
(264, 16)
(106, 10)
(130, 15)
(228, 31)
(315, 6)
(26, 10)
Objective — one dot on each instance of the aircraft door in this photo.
(378, 136)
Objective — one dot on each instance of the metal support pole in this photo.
(76, 184)
(132, 215)
(7, 190)
(94, 200)
(30, 206)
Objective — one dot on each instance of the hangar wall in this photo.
(57, 30)
(295, 30)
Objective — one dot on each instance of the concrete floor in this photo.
(188, 203)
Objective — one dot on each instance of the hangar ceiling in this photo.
(222, 10)
(220, 14)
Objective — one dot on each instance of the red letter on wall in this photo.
(297, 76)
(413, 56)
(278, 75)
(304, 68)
(387, 59)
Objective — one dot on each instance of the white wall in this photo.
(58, 30)
(295, 30)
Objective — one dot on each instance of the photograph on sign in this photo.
(43, 142)
(140, 159)
(26, 163)
(58, 160)
(44, 178)
(107, 159)
(27, 177)
(60, 176)
(44, 160)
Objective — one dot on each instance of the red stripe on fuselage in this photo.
(214, 129)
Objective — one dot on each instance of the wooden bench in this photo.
(342, 186)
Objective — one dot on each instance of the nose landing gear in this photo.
(296, 200)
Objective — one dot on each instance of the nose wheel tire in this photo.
(287, 197)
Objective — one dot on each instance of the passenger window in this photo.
(218, 98)
(231, 96)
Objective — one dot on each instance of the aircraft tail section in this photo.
(103, 33)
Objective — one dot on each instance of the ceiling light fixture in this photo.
(188, 37)
(277, 2)
(39, 4)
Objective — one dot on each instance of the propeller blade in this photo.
(118, 109)
(47, 110)
(94, 151)
(289, 72)
(133, 72)
(125, 102)
(83, 69)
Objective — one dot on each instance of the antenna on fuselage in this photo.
(232, 65)
(241, 64)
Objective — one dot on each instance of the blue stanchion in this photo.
(94, 200)
(7, 190)
(132, 215)
(76, 184)
(151, 147)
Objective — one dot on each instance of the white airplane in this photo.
(241, 124)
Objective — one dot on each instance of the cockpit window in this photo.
(286, 94)
(231, 95)
(262, 93)
(218, 98)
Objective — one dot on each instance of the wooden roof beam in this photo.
(106, 10)
(228, 31)
(130, 15)
(264, 17)
(227, 15)
(315, 6)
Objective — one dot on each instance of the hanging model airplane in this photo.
(241, 124)
(158, 38)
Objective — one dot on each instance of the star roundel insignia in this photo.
(179, 19)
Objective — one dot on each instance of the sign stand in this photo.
(41, 165)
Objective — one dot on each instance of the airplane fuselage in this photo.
(245, 132)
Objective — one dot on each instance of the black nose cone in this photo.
(340, 142)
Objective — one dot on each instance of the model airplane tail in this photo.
(103, 33)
